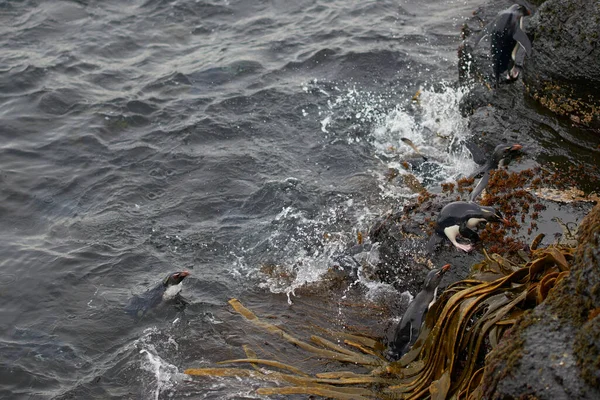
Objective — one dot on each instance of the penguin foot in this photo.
(391, 355)
(181, 302)
(464, 247)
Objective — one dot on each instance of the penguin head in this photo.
(434, 277)
(520, 9)
(503, 151)
(492, 215)
(174, 278)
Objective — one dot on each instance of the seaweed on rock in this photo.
(449, 357)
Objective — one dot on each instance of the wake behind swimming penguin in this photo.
(506, 35)
(168, 289)
(408, 329)
(460, 218)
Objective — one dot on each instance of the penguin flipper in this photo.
(523, 40)
(434, 240)
(401, 340)
(181, 301)
(136, 308)
(482, 34)
(480, 186)
(478, 155)
(468, 233)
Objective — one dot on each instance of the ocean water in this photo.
(244, 141)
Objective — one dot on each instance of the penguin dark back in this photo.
(502, 155)
(167, 289)
(407, 331)
(506, 36)
(460, 218)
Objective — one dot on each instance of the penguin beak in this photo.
(183, 274)
(516, 147)
(505, 221)
(444, 269)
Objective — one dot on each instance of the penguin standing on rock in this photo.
(501, 156)
(408, 329)
(168, 289)
(459, 218)
(506, 35)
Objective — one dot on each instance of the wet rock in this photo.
(551, 76)
(401, 235)
(475, 61)
(563, 72)
(554, 351)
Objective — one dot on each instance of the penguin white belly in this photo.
(434, 298)
(513, 73)
(473, 222)
(451, 233)
(514, 52)
(171, 292)
(513, 55)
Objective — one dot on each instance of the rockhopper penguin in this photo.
(506, 35)
(461, 218)
(167, 289)
(408, 329)
(501, 155)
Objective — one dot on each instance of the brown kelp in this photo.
(468, 321)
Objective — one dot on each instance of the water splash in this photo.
(164, 374)
(305, 246)
(346, 112)
(162, 370)
(433, 122)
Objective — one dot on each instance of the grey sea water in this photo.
(244, 141)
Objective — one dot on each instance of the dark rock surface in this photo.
(508, 114)
(402, 235)
(554, 351)
(521, 111)
(563, 72)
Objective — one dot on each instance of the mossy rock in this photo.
(563, 72)
(554, 351)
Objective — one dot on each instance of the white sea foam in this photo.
(164, 374)
(163, 371)
(433, 123)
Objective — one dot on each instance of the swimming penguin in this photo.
(506, 34)
(408, 329)
(501, 156)
(167, 289)
(460, 218)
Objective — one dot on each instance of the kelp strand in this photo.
(447, 359)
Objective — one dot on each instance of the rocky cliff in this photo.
(554, 351)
